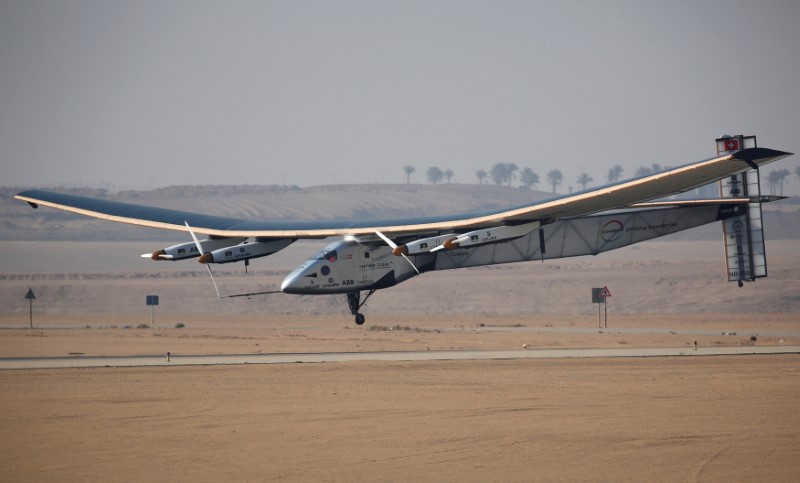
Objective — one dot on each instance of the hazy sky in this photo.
(151, 93)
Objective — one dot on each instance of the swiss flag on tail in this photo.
(732, 144)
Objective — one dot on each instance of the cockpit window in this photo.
(329, 255)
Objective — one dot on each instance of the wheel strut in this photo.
(354, 302)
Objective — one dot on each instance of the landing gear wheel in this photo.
(354, 302)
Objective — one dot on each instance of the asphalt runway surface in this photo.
(79, 361)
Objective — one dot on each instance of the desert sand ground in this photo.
(666, 419)
(325, 334)
(685, 418)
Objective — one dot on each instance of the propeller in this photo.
(200, 250)
(393, 246)
(450, 243)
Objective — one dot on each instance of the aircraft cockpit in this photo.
(326, 254)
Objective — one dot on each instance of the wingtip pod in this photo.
(22, 196)
(760, 156)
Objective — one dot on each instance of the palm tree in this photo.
(409, 171)
(781, 176)
(503, 173)
(448, 174)
(614, 173)
(772, 181)
(499, 173)
(583, 180)
(642, 171)
(528, 178)
(481, 174)
(555, 177)
(511, 167)
(434, 175)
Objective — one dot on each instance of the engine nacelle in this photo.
(423, 245)
(488, 235)
(182, 251)
(246, 251)
(473, 238)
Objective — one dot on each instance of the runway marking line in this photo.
(71, 362)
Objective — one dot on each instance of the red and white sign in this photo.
(605, 292)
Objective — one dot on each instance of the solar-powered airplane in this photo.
(370, 255)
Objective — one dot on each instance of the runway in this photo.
(635, 330)
(80, 361)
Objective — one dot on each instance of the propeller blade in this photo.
(393, 245)
(200, 250)
(161, 256)
(410, 263)
(213, 281)
(388, 240)
(450, 243)
(194, 237)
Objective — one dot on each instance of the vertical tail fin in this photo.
(745, 253)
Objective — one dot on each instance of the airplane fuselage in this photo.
(347, 266)
(359, 264)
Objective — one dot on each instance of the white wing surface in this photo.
(625, 193)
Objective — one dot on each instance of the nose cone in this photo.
(302, 280)
(292, 283)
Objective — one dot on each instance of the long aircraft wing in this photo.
(658, 185)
